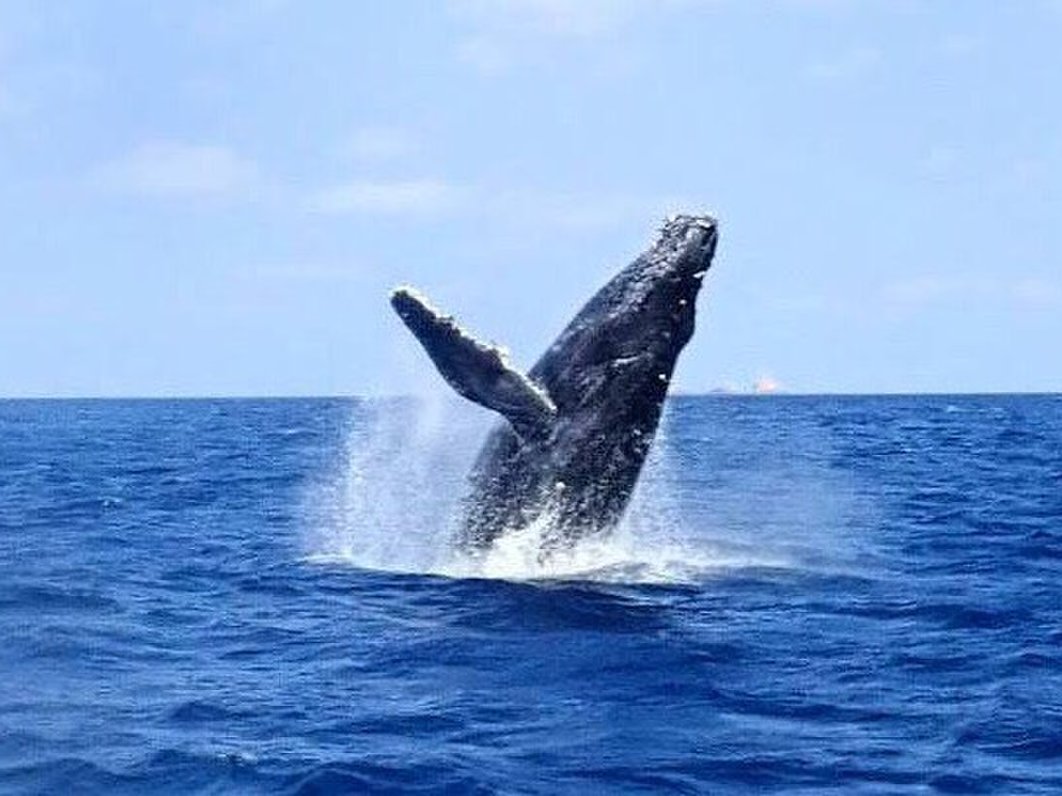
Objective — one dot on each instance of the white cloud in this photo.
(501, 33)
(959, 45)
(848, 65)
(1028, 172)
(224, 18)
(1025, 292)
(378, 143)
(34, 86)
(485, 54)
(941, 161)
(921, 290)
(582, 211)
(174, 168)
(309, 271)
(579, 18)
(177, 169)
(1037, 293)
(9, 102)
(381, 197)
(552, 209)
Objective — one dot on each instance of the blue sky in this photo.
(214, 198)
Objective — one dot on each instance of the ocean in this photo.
(809, 594)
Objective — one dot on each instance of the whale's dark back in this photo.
(607, 374)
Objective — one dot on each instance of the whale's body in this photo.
(578, 426)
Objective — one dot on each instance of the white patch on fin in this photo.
(479, 371)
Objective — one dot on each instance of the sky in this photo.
(215, 198)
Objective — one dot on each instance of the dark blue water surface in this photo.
(859, 594)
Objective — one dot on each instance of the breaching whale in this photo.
(579, 424)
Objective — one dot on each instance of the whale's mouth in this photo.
(701, 236)
(687, 244)
(705, 252)
(708, 240)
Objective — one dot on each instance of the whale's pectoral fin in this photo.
(478, 371)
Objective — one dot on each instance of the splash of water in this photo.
(394, 503)
(390, 500)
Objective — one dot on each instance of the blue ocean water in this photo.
(859, 594)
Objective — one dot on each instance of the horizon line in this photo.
(715, 393)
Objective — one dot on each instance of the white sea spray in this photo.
(394, 503)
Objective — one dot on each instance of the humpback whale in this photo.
(578, 425)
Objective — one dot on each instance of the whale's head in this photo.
(622, 346)
(660, 288)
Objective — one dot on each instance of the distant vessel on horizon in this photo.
(764, 385)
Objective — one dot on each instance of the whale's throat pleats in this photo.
(478, 371)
